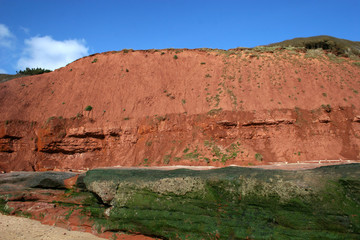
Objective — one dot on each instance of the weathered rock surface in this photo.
(24, 180)
(207, 107)
(219, 140)
(224, 203)
(54, 198)
(231, 203)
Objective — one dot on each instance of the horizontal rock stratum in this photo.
(183, 107)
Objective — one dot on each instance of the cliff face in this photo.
(202, 107)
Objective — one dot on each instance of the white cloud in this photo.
(45, 52)
(6, 37)
(2, 71)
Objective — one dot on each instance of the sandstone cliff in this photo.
(183, 107)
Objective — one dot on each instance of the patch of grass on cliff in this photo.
(145, 162)
(161, 118)
(192, 155)
(314, 53)
(68, 213)
(166, 159)
(50, 119)
(213, 112)
(221, 154)
(327, 107)
(258, 157)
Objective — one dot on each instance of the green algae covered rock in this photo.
(230, 203)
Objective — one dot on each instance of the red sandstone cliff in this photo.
(202, 107)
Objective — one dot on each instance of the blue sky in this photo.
(52, 33)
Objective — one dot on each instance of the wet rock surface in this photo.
(224, 203)
(56, 199)
(46, 180)
(234, 203)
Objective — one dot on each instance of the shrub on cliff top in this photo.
(33, 71)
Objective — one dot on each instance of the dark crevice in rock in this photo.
(11, 137)
(24, 199)
(267, 122)
(99, 199)
(66, 152)
(356, 119)
(114, 134)
(7, 151)
(88, 135)
(227, 124)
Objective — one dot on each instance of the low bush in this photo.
(33, 71)
(88, 108)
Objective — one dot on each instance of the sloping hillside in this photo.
(8, 77)
(334, 45)
(183, 107)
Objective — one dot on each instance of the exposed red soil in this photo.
(207, 107)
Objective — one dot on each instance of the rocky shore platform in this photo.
(222, 203)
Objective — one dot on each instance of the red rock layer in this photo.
(205, 107)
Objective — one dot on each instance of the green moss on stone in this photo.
(231, 203)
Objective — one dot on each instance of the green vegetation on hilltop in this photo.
(23, 73)
(334, 45)
(33, 71)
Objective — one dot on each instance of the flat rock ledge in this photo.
(223, 203)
